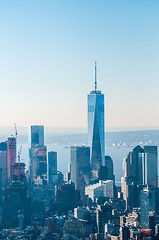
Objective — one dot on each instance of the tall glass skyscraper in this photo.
(96, 136)
(37, 135)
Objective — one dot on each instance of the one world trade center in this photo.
(96, 132)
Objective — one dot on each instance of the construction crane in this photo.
(16, 132)
(19, 153)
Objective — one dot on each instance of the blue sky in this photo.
(47, 54)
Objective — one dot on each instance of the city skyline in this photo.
(47, 59)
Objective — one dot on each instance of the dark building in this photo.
(3, 163)
(136, 165)
(3, 146)
(149, 198)
(19, 172)
(103, 173)
(110, 168)
(67, 198)
(124, 233)
(103, 215)
(15, 200)
(60, 178)
(52, 168)
(133, 199)
(42, 198)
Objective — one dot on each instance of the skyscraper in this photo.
(80, 164)
(52, 168)
(140, 168)
(11, 152)
(3, 163)
(150, 166)
(38, 154)
(37, 135)
(132, 177)
(148, 203)
(96, 136)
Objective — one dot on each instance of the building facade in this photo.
(149, 206)
(38, 155)
(52, 168)
(3, 163)
(80, 164)
(140, 168)
(150, 166)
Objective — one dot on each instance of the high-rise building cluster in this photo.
(39, 203)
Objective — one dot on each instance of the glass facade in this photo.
(37, 135)
(96, 136)
(148, 206)
(150, 166)
(80, 163)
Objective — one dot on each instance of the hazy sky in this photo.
(47, 54)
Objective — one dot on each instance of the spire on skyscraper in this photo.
(95, 83)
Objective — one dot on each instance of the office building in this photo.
(80, 164)
(52, 176)
(37, 135)
(96, 134)
(140, 168)
(132, 166)
(149, 198)
(3, 163)
(150, 166)
(11, 155)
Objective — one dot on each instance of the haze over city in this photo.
(48, 50)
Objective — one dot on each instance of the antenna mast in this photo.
(95, 83)
(19, 153)
(16, 132)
